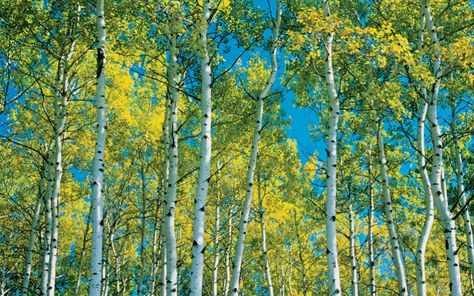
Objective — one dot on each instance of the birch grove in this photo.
(236, 147)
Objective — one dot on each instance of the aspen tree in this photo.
(31, 241)
(437, 180)
(388, 210)
(244, 219)
(352, 247)
(95, 284)
(370, 233)
(428, 196)
(205, 161)
(334, 281)
(464, 208)
(172, 155)
(266, 263)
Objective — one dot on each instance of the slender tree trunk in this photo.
(215, 269)
(301, 258)
(428, 196)
(172, 182)
(48, 230)
(156, 251)
(95, 285)
(429, 211)
(355, 272)
(437, 180)
(205, 162)
(462, 196)
(394, 241)
(83, 253)
(31, 242)
(370, 235)
(331, 151)
(266, 261)
(228, 251)
(142, 232)
(164, 217)
(244, 219)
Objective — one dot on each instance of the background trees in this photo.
(400, 99)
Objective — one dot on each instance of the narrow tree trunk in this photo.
(205, 162)
(83, 253)
(429, 210)
(437, 180)
(228, 251)
(95, 285)
(48, 230)
(331, 189)
(370, 235)
(355, 273)
(266, 261)
(215, 269)
(394, 241)
(300, 256)
(462, 196)
(428, 196)
(172, 182)
(31, 241)
(156, 251)
(142, 231)
(164, 217)
(244, 219)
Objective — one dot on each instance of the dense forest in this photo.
(155, 147)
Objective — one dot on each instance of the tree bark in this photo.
(352, 243)
(244, 219)
(370, 234)
(388, 208)
(199, 247)
(95, 285)
(331, 187)
(429, 211)
(31, 241)
(466, 215)
(437, 180)
(266, 261)
(172, 181)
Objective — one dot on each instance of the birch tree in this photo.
(437, 181)
(95, 285)
(395, 245)
(205, 161)
(331, 150)
(244, 218)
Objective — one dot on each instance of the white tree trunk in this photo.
(370, 237)
(464, 208)
(244, 219)
(429, 210)
(172, 180)
(48, 229)
(164, 232)
(428, 196)
(331, 151)
(388, 208)
(31, 241)
(205, 161)
(437, 180)
(228, 252)
(215, 268)
(352, 243)
(266, 261)
(95, 285)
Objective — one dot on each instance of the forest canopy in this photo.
(236, 147)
